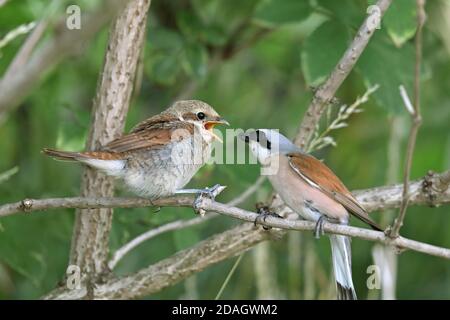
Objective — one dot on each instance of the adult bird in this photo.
(314, 192)
(161, 154)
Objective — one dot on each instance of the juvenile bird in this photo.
(161, 154)
(314, 192)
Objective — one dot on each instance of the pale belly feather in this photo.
(160, 172)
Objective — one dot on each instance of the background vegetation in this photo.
(256, 62)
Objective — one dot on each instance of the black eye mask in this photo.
(262, 139)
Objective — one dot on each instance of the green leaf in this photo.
(164, 39)
(189, 24)
(400, 21)
(195, 60)
(214, 35)
(36, 256)
(322, 51)
(276, 12)
(384, 64)
(165, 49)
(195, 29)
(348, 12)
(163, 68)
(226, 14)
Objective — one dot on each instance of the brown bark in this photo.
(15, 86)
(325, 93)
(90, 240)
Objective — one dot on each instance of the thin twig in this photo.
(323, 139)
(22, 29)
(415, 117)
(219, 247)
(248, 192)
(210, 205)
(328, 89)
(301, 225)
(4, 176)
(16, 86)
(378, 198)
(406, 101)
(120, 253)
(178, 224)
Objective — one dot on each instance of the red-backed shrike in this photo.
(313, 191)
(161, 154)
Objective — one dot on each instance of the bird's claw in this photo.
(207, 193)
(264, 212)
(318, 229)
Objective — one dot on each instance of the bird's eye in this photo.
(201, 116)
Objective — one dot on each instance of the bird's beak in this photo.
(210, 124)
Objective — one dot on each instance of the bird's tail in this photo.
(342, 266)
(63, 155)
(111, 163)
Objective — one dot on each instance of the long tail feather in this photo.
(111, 163)
(342, 266)
(62, 155)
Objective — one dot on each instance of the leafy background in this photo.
(256, 62)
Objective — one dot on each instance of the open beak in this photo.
(210, 124)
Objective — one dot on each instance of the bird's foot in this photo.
(318, 229)
(155, 208)
(264, 212)
(208, 193)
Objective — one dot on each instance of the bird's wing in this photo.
(155, 132)
(156, 120)
(319, 176)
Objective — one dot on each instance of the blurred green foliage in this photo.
(255, 62)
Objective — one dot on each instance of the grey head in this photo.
(267, 142)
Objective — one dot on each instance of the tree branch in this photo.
(424, 191)
(242, 237)
(220, 247)
(238, 239)
(27, 48)
(120, 253)
(415, 117)
(90, 243)
(178, 224)
(328, 89)
(232, 242)
(15, 86)
(333, 228)
(234, 212)
(175, 268)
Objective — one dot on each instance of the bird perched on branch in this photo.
(161, 154)
(314, 192)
